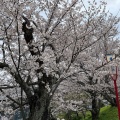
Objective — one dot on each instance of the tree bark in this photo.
(68, 115)
(95, 108)
(39, 109)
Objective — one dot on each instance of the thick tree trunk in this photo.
(95, 108)
(41, 114)
(68, 115)
(39, 107)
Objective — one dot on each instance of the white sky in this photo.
(113, 6)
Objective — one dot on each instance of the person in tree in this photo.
(28, 30)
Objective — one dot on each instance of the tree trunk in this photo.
(41, 114)
(68, 115)
(39, 107)
(95, 108)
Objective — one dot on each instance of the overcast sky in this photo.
(113, 6)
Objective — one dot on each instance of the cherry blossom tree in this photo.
(95, 76)
(93, 63)
(46, 42)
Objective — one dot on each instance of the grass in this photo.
(109, 113)
(106, 113)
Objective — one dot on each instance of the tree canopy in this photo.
(46, 42)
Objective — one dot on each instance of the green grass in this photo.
(106, 113)
(109, 113)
